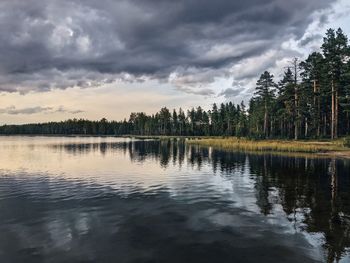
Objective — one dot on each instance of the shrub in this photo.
(347, 141)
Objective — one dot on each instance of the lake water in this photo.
(73, 199)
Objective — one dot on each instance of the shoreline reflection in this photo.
(308, 195)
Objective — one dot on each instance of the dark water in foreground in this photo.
(116, 200)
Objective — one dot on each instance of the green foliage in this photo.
(312, 100)
(347, 141)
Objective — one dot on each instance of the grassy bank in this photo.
(233, 143)
(163, 137)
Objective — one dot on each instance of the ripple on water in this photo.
(97, 200)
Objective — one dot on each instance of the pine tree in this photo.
(285, 103)
(265, 89)
(311, 74)
(335, 50)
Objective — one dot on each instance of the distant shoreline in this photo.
(320, 148)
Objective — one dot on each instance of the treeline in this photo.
(312, 100)
(227, 120)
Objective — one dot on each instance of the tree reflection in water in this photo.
(314, 193)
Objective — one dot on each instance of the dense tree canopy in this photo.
(312, 100)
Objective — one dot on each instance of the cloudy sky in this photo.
(63, 59)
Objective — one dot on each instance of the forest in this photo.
(311, 100)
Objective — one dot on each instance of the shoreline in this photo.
(336, 154)
(312, 148)
(320, 148)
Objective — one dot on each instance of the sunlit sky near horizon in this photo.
(91, 59)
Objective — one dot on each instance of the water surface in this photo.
(75, 199)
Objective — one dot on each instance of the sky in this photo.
(62, 59)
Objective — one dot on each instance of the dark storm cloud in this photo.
(310, 39)
(66, 43)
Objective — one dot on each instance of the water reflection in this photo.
(163, 201)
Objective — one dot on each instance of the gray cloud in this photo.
(310, 39)
(200, 91)
(230, 93)
(66, 43)
(12, 110)
(62, 109)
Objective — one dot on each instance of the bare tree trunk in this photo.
(271, 128)
(296, 102)
(306, 127)
(336, 114)
(296, 124)
(265, 121)
(314, 106)
(333, 111)
(317, 109)
(318, 114)
(325, 125)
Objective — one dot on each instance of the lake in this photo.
(90, 199)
